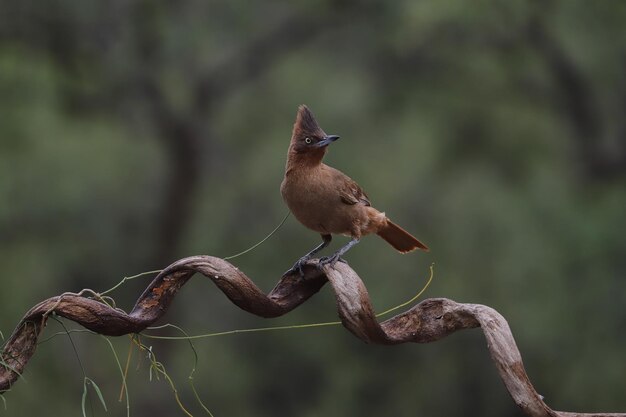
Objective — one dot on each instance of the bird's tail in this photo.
(399, 238)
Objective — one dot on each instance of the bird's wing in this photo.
(350, 193)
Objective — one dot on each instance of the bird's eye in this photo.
(308, 140)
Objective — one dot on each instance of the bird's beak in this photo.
(328, 139)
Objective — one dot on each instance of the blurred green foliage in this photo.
(136, 133)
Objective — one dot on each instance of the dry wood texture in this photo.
(429, 321)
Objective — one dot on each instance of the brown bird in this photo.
(327, 201)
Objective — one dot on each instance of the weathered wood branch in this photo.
(429, 321)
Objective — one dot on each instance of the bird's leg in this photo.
(331, 260)
(298, 265)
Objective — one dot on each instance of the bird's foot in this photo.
(330, 260)
(297, 267)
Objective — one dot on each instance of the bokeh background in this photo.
(134, 133)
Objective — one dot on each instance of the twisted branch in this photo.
(429, 321)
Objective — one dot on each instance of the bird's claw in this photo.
(330, 260)
(297, 267)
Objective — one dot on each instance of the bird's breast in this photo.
(317, 204)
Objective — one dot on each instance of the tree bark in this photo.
(428, 321)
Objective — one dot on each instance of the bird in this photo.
(329, 202)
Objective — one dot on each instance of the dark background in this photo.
(134, 133)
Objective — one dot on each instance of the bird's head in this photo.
(308, 138)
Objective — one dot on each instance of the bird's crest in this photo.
(305, 122)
